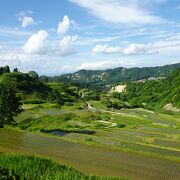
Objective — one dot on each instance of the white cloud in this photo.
(98, 65)
(63, 26)
(36, 43)
(169, 44)
(12, 57)
(27, 21)
(118, 11)
(132, 49)
(106, 49)
(64, 46)
(137, 49)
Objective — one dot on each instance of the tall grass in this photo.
(35, 168)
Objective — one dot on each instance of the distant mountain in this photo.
(117, 75)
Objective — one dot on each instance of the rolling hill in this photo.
(116, 75)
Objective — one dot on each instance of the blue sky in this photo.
(62, 36)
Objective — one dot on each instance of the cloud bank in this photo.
(118, 11)
(132, 49)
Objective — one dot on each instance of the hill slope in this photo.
(154, 93)
(116, 75)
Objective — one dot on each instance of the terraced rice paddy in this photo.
(147, 147)
(143, 131)
(89, 159)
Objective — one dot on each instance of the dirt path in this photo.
(107, 122)
(91, 108)
(89, 159)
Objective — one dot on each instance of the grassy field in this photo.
(30, 167)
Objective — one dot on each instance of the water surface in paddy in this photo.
(89, 159)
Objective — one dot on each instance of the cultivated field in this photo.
(136, 130)
(130, 143)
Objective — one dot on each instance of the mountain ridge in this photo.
(116, 75)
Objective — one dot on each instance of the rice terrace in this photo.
(94, 95)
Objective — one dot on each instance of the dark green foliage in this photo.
(27, 87)
(62, 93)
(4, 70)
(34, 75)
(121, 125)
(31, 90)
(108, 103)
(33, 101)
(154, 93)
(116, 104)
(10, 104)
(44, 79)
(6, 174)
(15, 70)
(90, 95)
(26, 84)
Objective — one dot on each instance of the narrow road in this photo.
(89, 159)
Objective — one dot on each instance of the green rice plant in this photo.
(6, 174)
(29, 167)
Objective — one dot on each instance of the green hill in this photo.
(154, 93)
(31, 90)
(97, 78)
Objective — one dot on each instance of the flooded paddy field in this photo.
(89, 159)
(132, 143)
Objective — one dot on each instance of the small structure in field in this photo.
(120, 88)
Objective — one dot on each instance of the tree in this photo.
(58, 98)
(1, 70)
(109, 103)
(15, 70)
(6, 69)
(34, 75)
(44, 79)
(10, 104)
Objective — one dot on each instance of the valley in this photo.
(105, 134)
(89, 90)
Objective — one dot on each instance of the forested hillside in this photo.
(97, 78)
(31, 90)
(150, 93)
(154, 93)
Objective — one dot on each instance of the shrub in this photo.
(121, 125)
(88, 140)
(33, 101)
